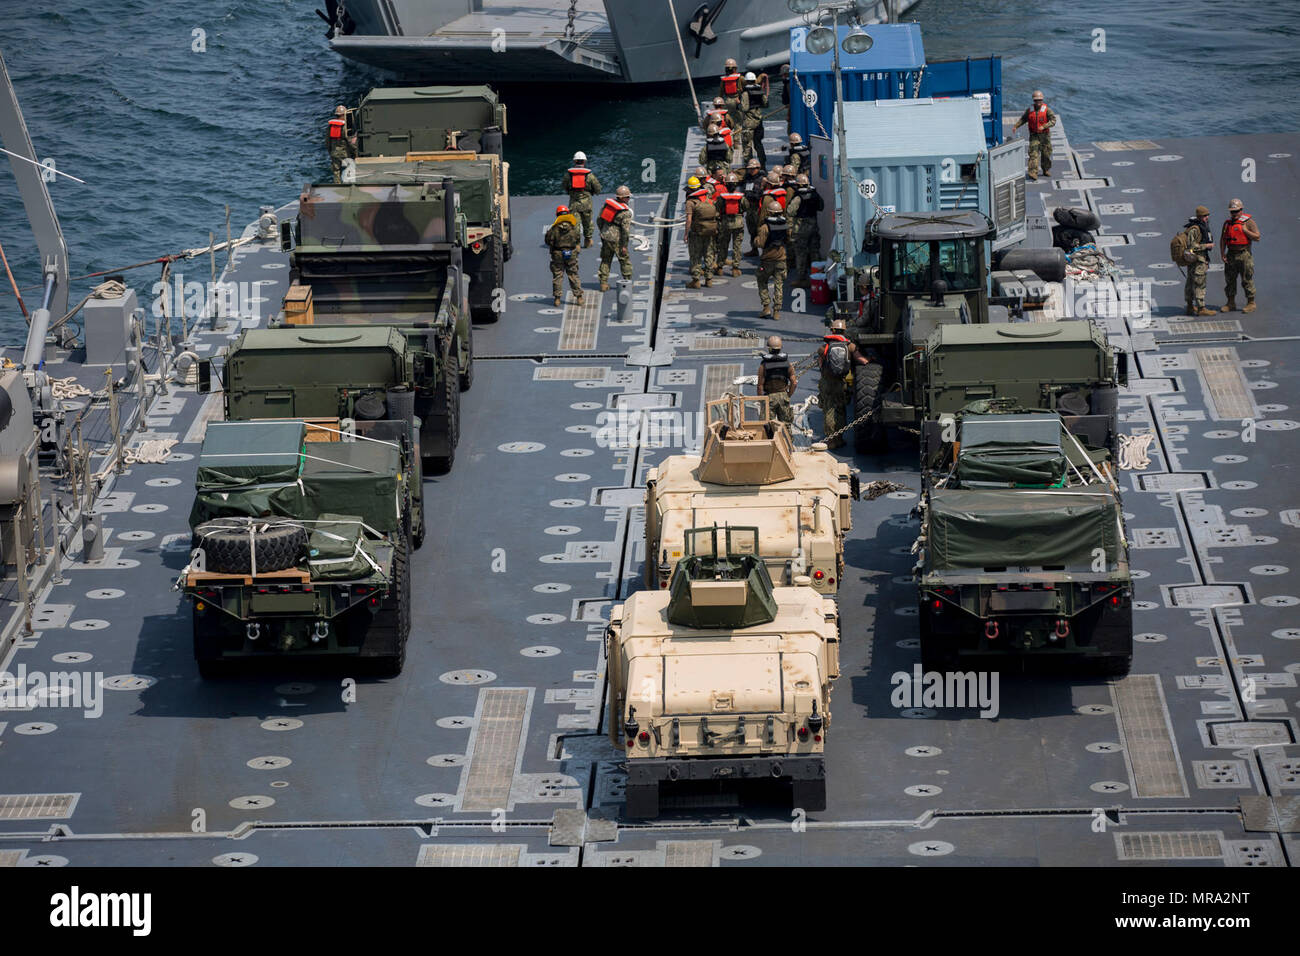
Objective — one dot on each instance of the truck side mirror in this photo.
(205, 376)
(286, 235)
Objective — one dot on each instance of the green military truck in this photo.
(424, 134)
(301, 548)
(358, 373)
(1022, 550)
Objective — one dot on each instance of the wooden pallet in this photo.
(287, 576)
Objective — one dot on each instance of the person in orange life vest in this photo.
(615, 223)
(562, 238)
(774, 188)
(1040, 119)
(340, 145)
(730, 85)
(731, 226)
(1239, 233)
(718, 114)
(581, 184)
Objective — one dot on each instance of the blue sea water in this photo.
(171, 111)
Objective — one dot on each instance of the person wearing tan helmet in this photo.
(1040, 119)
(1239, 234)
(1200, 240)
(615, 227)
(836, 359)
(777, 380)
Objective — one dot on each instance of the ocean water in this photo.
(171, 111)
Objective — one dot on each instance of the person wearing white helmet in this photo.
(581, 184)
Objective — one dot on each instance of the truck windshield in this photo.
(955, 261)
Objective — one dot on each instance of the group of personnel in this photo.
(836, 360)
(1237, 236)
(573, 228)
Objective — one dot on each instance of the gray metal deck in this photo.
(487, 750)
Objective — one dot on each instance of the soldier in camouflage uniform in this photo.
(563, 238)
(752, 186)
(1040, 120)
(701, 235)
(715, 154)
(805, 239)
(771, 259)
(753, 102)
(833, 384)
(1201, 242)
(581, 184)
(797, 153)
(777, 380)
(340, 145)
(730, 85)
(615, 232)
(1235, 241)
(731, 226)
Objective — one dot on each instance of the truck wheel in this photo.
(642, 801)
(467, 368)
(448, 405)
(1116, 666)
(808, 794)
(417, 539)
(391, 626)
(227, 544)
(489, 277)
(869, 436)
(207, 651)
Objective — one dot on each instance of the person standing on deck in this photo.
(731, 231)
(582, 186)
(837, 358)
(1200, 242)
(562, 238)
(1239, 234)
(615, 232)
(753, 101)
(776, 380)
(1040, 120)
(730, 85)
(771, 259)
(341, 146)
(752, 185)
(701, 235)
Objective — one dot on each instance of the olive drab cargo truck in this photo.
(301, 543)
(722, 678)
(407, 134)
(390, 256)
(750, 473)
(1022, 550)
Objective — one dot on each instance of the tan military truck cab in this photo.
(722, 677)
(750, 473)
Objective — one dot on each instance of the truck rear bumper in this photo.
(655, 770)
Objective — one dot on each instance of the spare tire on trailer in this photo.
(1047, 264)
(1075, 218)
(229, 544)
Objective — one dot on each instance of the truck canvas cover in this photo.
(340, 549)
(977, 529)
(242, 454)
(1022, 450)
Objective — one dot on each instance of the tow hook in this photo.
(991, 630)
(1062, 629)
(253, 630)
(322, 631)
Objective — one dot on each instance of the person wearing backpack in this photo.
(1197, 239)
(837, 358)
(1235, 241)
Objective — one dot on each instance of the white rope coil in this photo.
(1133, 450)
(68, 387)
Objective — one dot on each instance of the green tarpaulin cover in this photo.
(1010, 450)
(970, 530)
(340, 549)
(237, 454)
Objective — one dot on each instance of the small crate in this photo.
(298, 309)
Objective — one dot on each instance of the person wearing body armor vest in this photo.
(1040, 119)
(1201, 241)
(805, 239)
(341, 146)
(615, 225)
(730, 85)
(563, 238)
(731, 226)
(752, 186)
(774, 190)
(582, 186)
(715, 154)
(835, 360)
(777, 380)
(701, 236)
(718, 115)
(1239, 232)
(797, 154)
(771, 259)
(753, 103)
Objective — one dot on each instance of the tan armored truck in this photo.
(722, 677)
(749, 473)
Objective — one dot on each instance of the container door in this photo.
(1007, 188)
(822, 178)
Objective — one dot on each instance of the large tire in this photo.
(489, 276)
(391, 626)
(868, 436)
(449, 407)
(417, 539)
(467, 369)
(279, 543)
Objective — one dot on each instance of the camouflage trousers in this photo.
(728, 249)
(1239, 264)
(751, 225)
(561, 267)
(832, 396)
(608, 250)
(1194, 291)
(806, 246)
(779, 403)
(583, 212)
(701, 249)
(747, 144)
(336, 163)
(771, 270)
(1040, 152)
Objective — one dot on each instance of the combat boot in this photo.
(693, 284)
(776, 315)
(766, 313)
(586, 244)
(717, 270)
(1250, 306)
(578, 299)
(1230, 307)
(1030, 176)
(604, 285)
(1204, 311)
(557, 300)
(708, 281)
(735, 270)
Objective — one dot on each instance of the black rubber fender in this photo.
(1047, 264)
